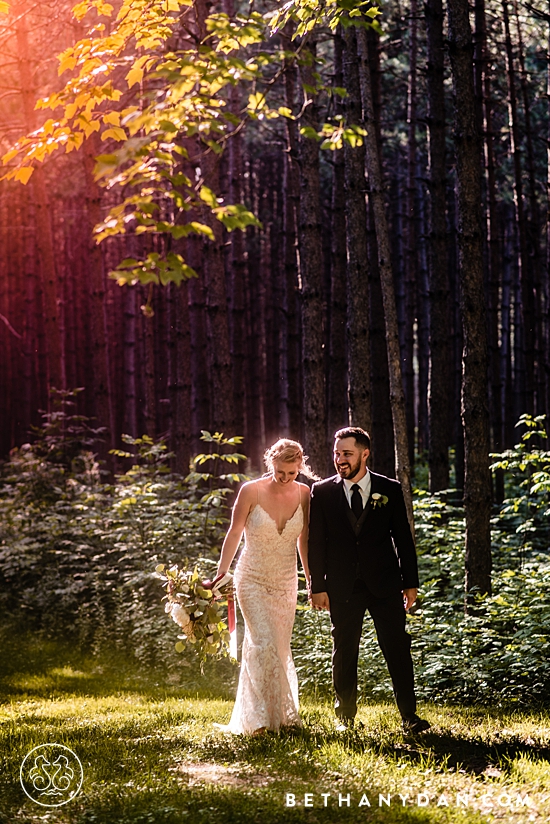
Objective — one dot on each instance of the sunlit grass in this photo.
(151, 753)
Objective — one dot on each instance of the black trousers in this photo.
(389, 617)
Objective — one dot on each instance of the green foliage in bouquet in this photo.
(196, 610)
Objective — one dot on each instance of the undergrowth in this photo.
(77, 557)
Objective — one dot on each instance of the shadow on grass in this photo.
(444, 751)
(35, 666)
(135, 762)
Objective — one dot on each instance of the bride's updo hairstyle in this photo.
(289, 452)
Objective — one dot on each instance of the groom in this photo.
(362, 557)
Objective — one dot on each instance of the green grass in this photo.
(151, 753)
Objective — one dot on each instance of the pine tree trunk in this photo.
(546, 285)
(526, 306)
(311, 272)
(382, 457)
(217, 326)
(148, 316)
(494, 256)
(337, 377)
(181, 382)
(439, 368)
(475, 415)
(422, 320)
(533, 225)
(376, 188)
(6, 376)
(44, 236)
(509, 418)
(411, 237)
(358, 339)
(101, 383)
(32, 397)
(294, 378)
(237, 264)
(129, 420)
(267, 280)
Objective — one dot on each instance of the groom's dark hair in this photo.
(362, 438)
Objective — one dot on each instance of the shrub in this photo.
(77, 555)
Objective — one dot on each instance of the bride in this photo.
(273, 514)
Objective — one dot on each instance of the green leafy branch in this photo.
(313, 13)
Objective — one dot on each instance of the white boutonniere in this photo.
(378, 499)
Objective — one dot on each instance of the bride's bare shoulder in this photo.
(250, 488)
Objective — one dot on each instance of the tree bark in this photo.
(44, 235)
(527, 367)
(494, 257)
(475, 416)
(376, 189)
(382, 458)
(311, 274)
(237, 264)
(129, 421)
(411, 237)
(217, 327)
(254, 325)
(100, 353)
(181, 382)
(439, 367)
(337, 378)
(294, 377)
(358, 338)
(148, 314)
(532, 227)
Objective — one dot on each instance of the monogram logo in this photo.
(51, 775)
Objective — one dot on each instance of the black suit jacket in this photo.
(379, 548)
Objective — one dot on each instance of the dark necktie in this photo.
(356, 501)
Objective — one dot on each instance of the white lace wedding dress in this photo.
(266, 584)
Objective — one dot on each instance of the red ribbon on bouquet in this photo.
(232, 626)
(216, 584)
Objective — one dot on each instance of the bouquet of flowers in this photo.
(195, 605)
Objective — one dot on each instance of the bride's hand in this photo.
(211, 584)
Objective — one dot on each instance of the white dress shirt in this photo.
(364, 486)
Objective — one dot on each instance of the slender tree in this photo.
(475, 413)
(44, 234)
(439, 371)
(293, 377)
(104, 411)
(376, 190)
(526, 373)
(311, 272)
(411, 234)
(358, 339)
(337, 374)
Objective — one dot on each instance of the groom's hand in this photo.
(409, 597)
(319, 600)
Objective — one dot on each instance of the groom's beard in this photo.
(348, 470)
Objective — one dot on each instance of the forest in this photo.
(275, 221)
(222, 223)
(280, 328)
